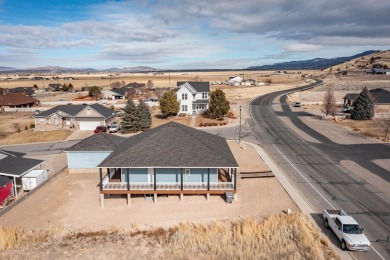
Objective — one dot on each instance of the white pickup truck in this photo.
(347, 230)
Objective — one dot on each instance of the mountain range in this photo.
(317, 63)
(58, 69)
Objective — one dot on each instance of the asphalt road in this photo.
(315, 170)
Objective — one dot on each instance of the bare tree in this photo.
(115, 85)
(329, 103)
(149, 84)
(385, 124)
(16, 126)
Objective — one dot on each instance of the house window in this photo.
(187, 172)
(184, 108)
(204, 96)
(184, 96)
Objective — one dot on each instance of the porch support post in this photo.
(102, 200)
(208, 196)
(208, 178)
(128, 199)
(181, 196)
(101, 178)
(181, 180)
(155, 198)
(154, 179)
(15, 191)
(128, 179)
(235, 179)
(108, 174)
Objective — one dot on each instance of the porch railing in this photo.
(166, 185)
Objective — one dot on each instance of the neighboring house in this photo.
(136, 85)
(13, 166)
(381, 99)
(235, 80)
(28, 91)
(117, 93)
(55, 87)
(83, 117)
(193, 97)
(378, 71)
(17, 100)
(169, 159)
(87, 154)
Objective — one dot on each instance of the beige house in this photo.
(83, 117)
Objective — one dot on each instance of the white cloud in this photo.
(302, 47)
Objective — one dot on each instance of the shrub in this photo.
(26, 128)
(201, 124)
(32, 125)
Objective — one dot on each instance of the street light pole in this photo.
(239, 132)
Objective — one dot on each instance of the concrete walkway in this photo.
(79, 134)
(294, 194)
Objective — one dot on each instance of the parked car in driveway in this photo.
(114, 128)
(100, 129)
(297, 104)
(346, 109)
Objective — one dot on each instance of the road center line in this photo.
(303, 176)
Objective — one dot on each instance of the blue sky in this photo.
(187, 34)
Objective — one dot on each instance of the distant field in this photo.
(159, 80)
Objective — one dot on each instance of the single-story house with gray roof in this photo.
(86, 155)
(381, 98)
(83, 117)
(169, 159)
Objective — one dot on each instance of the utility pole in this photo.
(243, 74)
(239, 132)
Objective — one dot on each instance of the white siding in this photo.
(188, 102)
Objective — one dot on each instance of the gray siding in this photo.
(168, 175)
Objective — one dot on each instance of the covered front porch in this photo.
(171, 181)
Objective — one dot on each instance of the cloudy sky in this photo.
(187, 34)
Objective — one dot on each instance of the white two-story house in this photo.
(193, 97)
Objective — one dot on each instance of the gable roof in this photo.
(16, 99)
(98, 142)
(74, 110)
(198, 86)
(17, 166)
(172, 145)
(379, 95)
(119, 91)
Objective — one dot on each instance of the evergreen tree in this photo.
(363, 106)
(169, 104)
(131, 120)
(145, 118)
(219, 105)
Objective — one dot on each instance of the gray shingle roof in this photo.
(379, 95)
(4, 181)
(73, 110)
(98, 142)
(119, 91)
(200, 101)
(198, 86)
(17, 166)
(172, 145)
(12, 153)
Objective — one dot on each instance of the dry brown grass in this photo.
(370, 128)
(277, 237)
(31, 136)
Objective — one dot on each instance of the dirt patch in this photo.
(10, 121)
(369, 128)
(31, 136)
(76, 203)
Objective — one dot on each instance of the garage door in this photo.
(89, 125)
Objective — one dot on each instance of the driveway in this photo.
(79, 134)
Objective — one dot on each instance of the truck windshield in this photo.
(352, 229)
